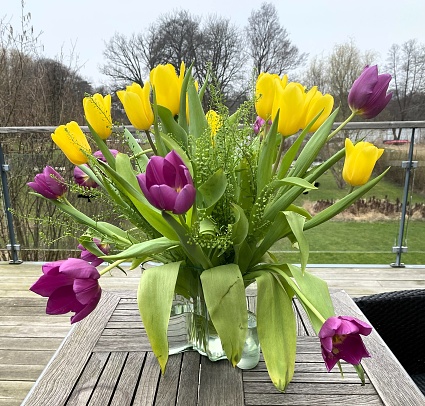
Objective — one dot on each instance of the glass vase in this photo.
(190, 328)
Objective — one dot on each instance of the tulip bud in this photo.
(167, 184)
(73, 142)
(97, 110)
(49, 184)
(360, 159)
(167, 86)
(137, 105)
(81, 178)
(86, 255)
(368, 95)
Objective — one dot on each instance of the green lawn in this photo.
(358, 242)
(352, 242)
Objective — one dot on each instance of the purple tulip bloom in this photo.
(340, 339)
(167, 184)
(71, 286)
(99, 155)
(368, 96)
(82, 179)
(258, 124)
(86, 255)
(49, 184)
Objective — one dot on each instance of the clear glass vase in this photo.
(190, 328)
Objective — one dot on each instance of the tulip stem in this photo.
(279, 155)
(111, 266)
(151, 143)
(342, 125)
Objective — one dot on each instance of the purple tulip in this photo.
(368, 96)
(86, 255)
(340, 339)
(49, 184)
(71, 286)
(258, 124)
(167, 184)
(99, 155)
(82, 179)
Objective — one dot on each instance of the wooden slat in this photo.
(71, 356)
(220, 384)
(189, 378)
(388, 376)
(105, 386)
(86, 383)
(146, 388)
(127, 383)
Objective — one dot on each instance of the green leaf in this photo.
(144, 249)
(277, 230)
(314, 145)
(102, 146)
(172, 144)
(243, 190)
(293, 181)
(182, 108)
(300, 210)
(267, 156)
(193, 251)
(342, 204)
(155, 298)
(296, 222)
(136, 149)
(316, 291)
(276, 329)
(212, 189)
(170, 126)
(197, 120)
(224, 293)
(151, 215)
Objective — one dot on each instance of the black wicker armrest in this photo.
(399, 318)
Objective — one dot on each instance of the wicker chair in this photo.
(399, 318)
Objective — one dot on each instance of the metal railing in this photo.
(13, 247)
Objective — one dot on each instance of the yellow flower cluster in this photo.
(296, 107)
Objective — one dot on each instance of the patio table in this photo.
(106, 359)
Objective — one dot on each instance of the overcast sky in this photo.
(315, 26)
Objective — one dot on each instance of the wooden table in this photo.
(106, 359)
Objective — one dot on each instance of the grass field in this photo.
(354, 241)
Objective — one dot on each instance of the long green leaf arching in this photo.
(342, 204)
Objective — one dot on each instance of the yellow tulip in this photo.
(265, 89)
(290, 101)
(97, 110)
(73, 142)
(167, 86)
(360, 159)
(315, 103)
(137, 105)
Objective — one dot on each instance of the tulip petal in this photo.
(184, 200)
(164, 196)
(47, 284)
(62, 301)
(86, 310)
(85, 289)
(78, 268)
(363, 87)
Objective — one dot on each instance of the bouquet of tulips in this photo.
(208, 197)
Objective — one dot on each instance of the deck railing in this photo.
(410, 135)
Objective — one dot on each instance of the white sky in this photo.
(315, 26)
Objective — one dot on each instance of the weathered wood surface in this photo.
(29, 338)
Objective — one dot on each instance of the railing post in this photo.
(13, 247)
(408, 165)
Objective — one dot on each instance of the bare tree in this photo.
(406, 63)
(125, 62)
(269, 45)
(219, 55)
